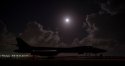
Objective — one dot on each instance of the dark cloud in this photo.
(105, 31)
(90, 29)
(111, 7)
(75, 42)
(35, 35)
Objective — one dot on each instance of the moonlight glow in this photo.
(67, 20)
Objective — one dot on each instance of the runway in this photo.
(65, 60)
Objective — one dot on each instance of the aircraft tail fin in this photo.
(21, 44)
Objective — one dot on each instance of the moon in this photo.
(67, 20)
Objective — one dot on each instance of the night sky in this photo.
(16, 14)
(100, 19)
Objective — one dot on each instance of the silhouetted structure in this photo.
(23, 47)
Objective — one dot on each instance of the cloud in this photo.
(75, 42)
(111, 7)
(35, 35)
(92, 38)
(90, 29)
(105, 7)
(104, 31)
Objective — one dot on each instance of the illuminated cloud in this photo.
(92, 39)
(35, 35)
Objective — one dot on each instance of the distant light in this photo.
(9, 55)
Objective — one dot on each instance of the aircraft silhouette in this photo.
(23, 47)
